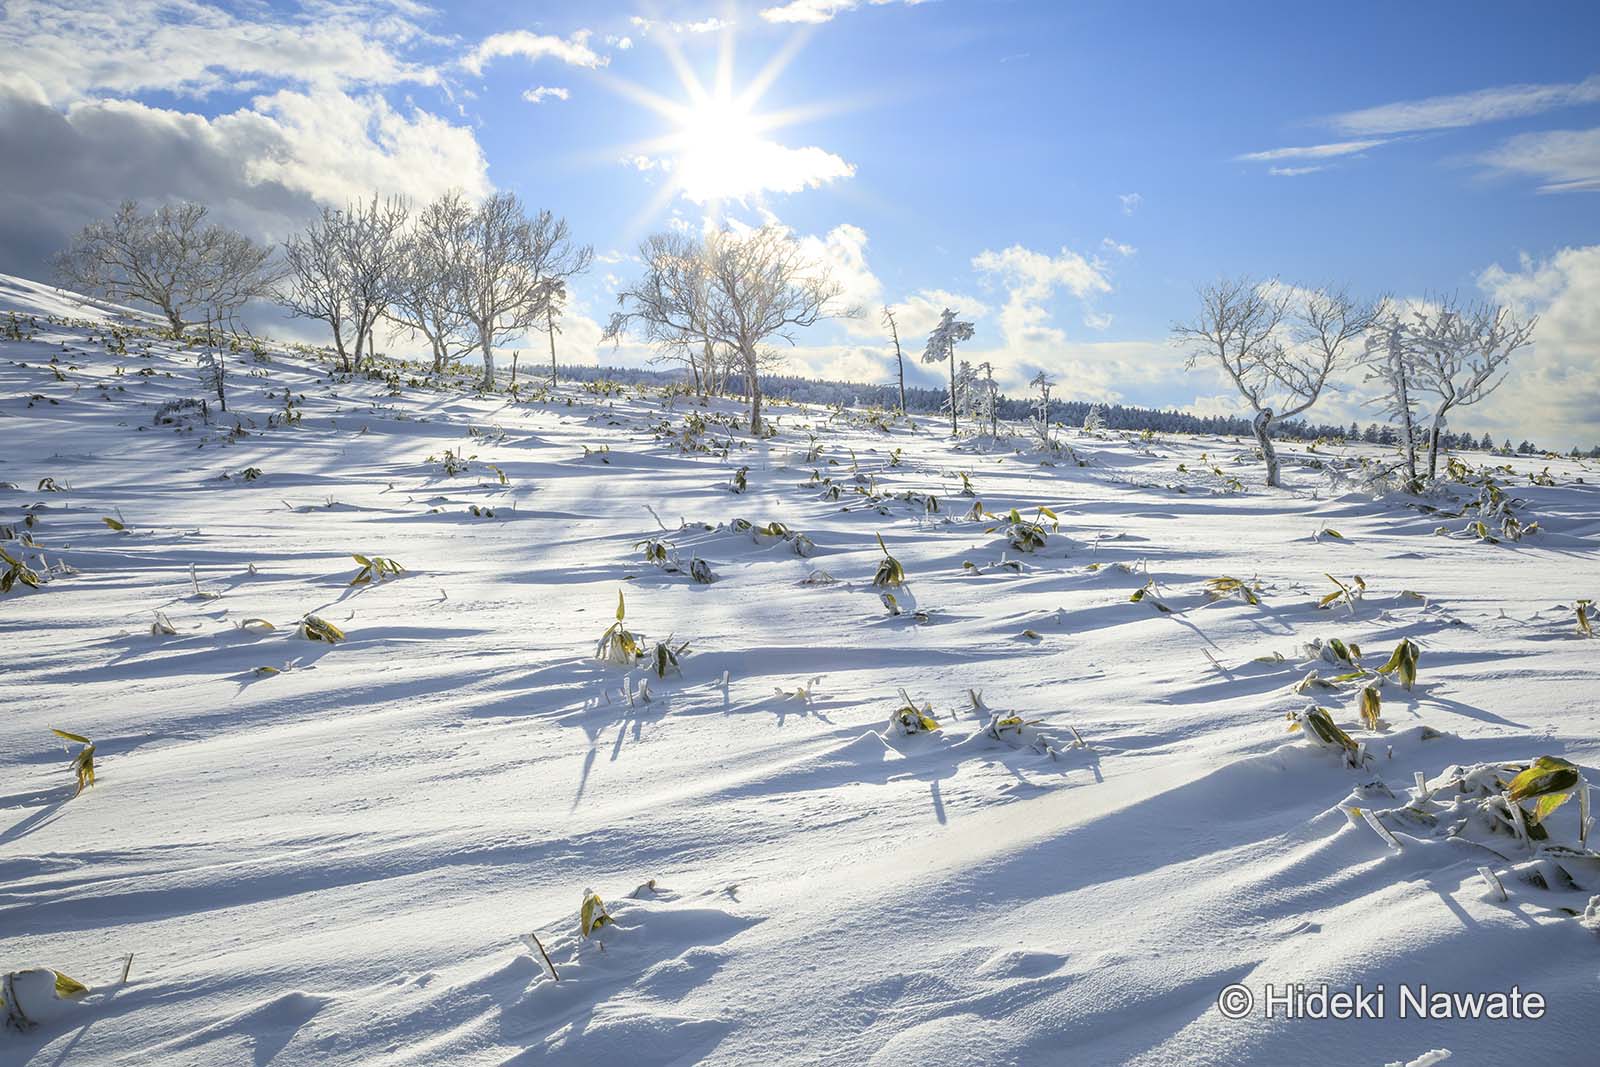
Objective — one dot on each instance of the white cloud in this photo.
(334, 147)
(1130, 202)
(1031, 278)
(1117, 246)
(819, 11)
(1293, 172)
(74, 48)
(262, 168)
(1314, 151)
(918, 314)
(843, 252)
(741, 168)
(1564, 161)
(1467, 109)
(545, 92)
(710, 24)
(1553, 391)
(1096, 321)
(573, 50)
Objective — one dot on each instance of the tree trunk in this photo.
(994, 408)
(953, 430)
(1408, 432)
(176, 321)
(752, 376)
(338, 346)
(485, 342)
(515, 355)
(1433, 446)
(899, 359)
(1262, 425)
(550, 323)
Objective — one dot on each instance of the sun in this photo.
(718, 151)
(718, 147)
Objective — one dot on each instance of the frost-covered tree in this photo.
(1391, 363)
(1462, 354)
(170, 259)
(1277, 345)
(1041, 406)
(554, 307)
(942, 346)
(899, 357)
(346, 270)
(732, 292)
(988, 408)
(214, 374)
(967, 393)
(764, 288)
(425, 294)
(511, 268)
(670, 306)
(1095, 420)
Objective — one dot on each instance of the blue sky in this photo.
(1066, 173)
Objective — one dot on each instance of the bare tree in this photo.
(1390, 361)
(1044, 383)
(733, 292)
(670, 305)
(347, 269)
(991, 399)
(511, 268)
(170, 259)
(424, 295)
(1461, 356)
(942, 346)
(762, 287)
(557, 302)
(372, 248)
(316, 288)
(899, 358)
(1277, 345)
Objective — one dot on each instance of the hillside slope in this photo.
(334, 861)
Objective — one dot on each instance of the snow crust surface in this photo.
(335, 864)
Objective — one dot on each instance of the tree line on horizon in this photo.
(467, 276)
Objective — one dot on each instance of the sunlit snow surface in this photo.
(336, 864)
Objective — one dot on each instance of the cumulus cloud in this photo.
(573, 50)
(1130, 202)
(843, 252)
(919, 313)
(1553, 391)
(264, 168)
(710, 24)
(74, 48)
(318, 128)
(1031, 279)
(545, 92)
(749, 167)
(818, 11)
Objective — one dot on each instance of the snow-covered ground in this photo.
(337, 863)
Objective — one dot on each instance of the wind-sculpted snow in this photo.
(330, 851)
